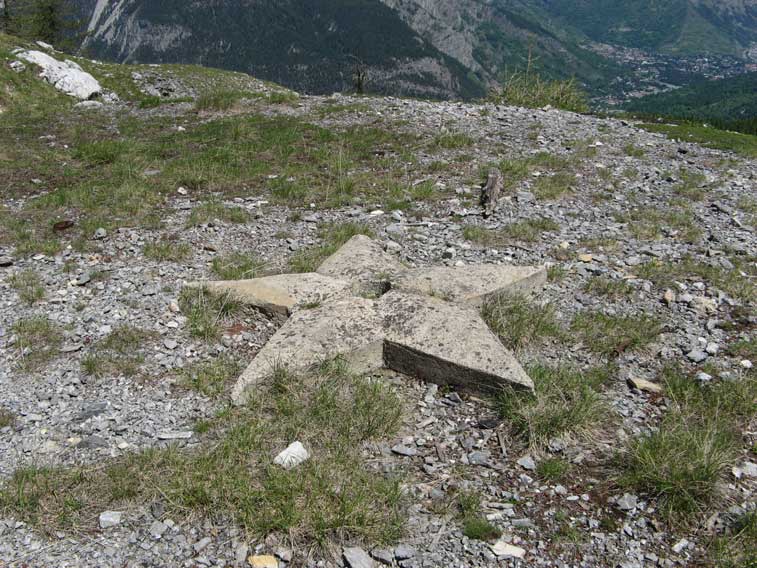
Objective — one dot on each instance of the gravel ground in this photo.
(65, 417)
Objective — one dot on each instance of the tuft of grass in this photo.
(682, 463)
(649, 223)
(556, 273)
(38, 340)
(333, 495)
(529, 230)
(206, 311)
(478, 528)
(218, 100)
(237, 266)
(452, 141)
(517, 321)
(609, 288)
(211, 378)
(333, 236)
(733, 550)
(554, 186)
(692, 186)
(216, 211)
(528, 89)
(633, 151)
(566, 402)
(121, 352)
(612, 335)
(100, 152)
(7, 418)
(474, 525)
(731, 281)
(28, 285)
(552, 469)
(167, 250)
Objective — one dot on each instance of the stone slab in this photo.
(363, 262)
(412, 334)
(350, 327)
(282, 293)
(446, 344)
(471, 284)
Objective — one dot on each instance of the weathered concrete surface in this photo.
(282, 293)
(350, 327)
(446, 344)
(471, 285)
(363, 262)
(66, 76)
(425, 322)
(408, 333)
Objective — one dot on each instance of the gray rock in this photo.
(527, 462)
(404, 552)
(110, 519)
(357, 558)
(696, 356)
(406, 451)
(627, 502)
(6, 261)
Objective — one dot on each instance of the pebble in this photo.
(404, 450)
(628, 502)
(527, 462)
(506, 550)
(108, 519)
(263, 561)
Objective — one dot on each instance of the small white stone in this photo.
(293, 456)
(110, 519)
(746, 364)
(507, 550)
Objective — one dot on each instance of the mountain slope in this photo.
(730, 103)
(439, 48)
(676, 26)
(311, 47)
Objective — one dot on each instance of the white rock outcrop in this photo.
(66, 76)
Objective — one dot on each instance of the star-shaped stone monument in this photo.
(364, 305)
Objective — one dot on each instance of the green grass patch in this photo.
(335, 495)
(745, 144)
(613, 289)
(211, 378)
(612, 335)
(28, 285)
(333, 236)
(121, 352)
(552, 469)
(682, 463)
(650, 223)
(167, 250)
(237, 266)
(518, 321)
(206, 312)
(529, 230)
(475, 526)
(452, 141)
(566, 402)
(7, 418)
(731, 281)
(213, 211)
(38, 341)
(218, 100)
(551, 187)
(530, 90)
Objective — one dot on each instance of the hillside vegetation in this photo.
(727, 103)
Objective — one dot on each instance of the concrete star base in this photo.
(426, 325)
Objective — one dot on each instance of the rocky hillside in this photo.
(118, 445)
(441, 48)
